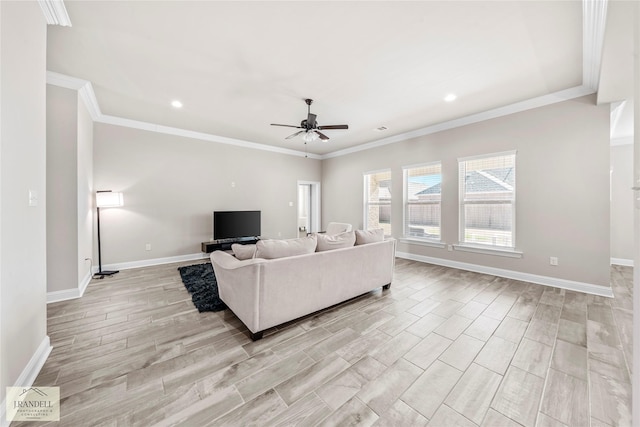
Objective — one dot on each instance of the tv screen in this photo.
(233, 224)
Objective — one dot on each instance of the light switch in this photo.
(33, 198)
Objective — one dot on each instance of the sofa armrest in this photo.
(239, 286)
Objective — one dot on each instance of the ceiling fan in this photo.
(310, 127)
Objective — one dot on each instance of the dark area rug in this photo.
(201, 284)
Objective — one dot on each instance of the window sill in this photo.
(506, 252)
(423, 242)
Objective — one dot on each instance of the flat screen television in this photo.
(235, 224)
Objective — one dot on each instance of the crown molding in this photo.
(55, 12)
(86, 93)
(594, 18)
(85, 89)
(89, 98)
(168, 130)
(541, 101)
(593, 23)
(62, 80)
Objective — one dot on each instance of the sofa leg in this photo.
(257, 336)
(386, 287)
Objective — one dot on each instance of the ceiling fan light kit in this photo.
(310, 128)
(310, 136)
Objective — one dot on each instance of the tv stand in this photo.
(225, 244)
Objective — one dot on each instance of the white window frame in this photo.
(486, 248)
(366, 203)
(428, 241)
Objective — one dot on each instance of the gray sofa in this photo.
(268, 292)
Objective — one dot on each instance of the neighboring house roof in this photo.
(485, 181)
(434, 189)
(490, 180)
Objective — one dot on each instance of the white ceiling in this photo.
(239, 66)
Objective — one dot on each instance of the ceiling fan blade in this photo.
(311, 120)
(333, 127)
(295, 134)
(287, 126)
(322, 136)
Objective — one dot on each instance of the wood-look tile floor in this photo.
(442, 347)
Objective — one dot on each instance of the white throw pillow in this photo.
(369, 236)
(271, 249)
(243, 252)
(337, 241)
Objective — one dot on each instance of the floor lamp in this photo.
(105, 199)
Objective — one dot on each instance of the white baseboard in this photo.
(622, 261)
(517, 275)
(74, 293)
(155, 261)
(64, 295)
(68, 294)
(29, 374)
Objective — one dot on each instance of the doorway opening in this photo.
(308, 207)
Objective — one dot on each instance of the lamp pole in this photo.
(99, 251)
(101, 201)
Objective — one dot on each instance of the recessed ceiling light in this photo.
(176, 104)
(451, 97)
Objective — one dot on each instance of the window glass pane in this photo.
(423, 221)
(379, 216)
(490, 179)
(488, 224)
(487, 188)
(379, 187)
(378, 201)
(422, 210)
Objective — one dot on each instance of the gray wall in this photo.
(22, 168)
(85, 198)
(173, 184)
(622, 203)
(62, 176)
(562, 206)
(69, 195)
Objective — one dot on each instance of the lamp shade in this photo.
(109, 199)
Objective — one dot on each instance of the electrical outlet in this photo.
(147, 247)
(553, 260)
(450, 248)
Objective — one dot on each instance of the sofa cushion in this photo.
(243, 252)
(274, 248)
(369, 236)
(337, 241)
